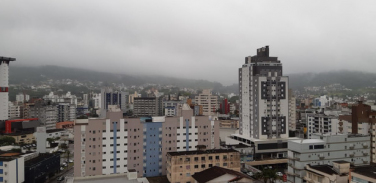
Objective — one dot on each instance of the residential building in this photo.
(132, 96)
(324, 149)
(97, 100)
(40, 168)
(263, 97)
(67, 98)
(14, 110)
(217, 174)
(148, 106)
(361, 121)
(11, 167)
(22, 98)
(65, 112)
(46, 112)
(182, 165)
(264, 106)
(4, 84)
(208, 101)
(322, 101)
(117, 145)
(171, 107)
(324, 124)
(225, 106)
(110, 97)
(338, 173)
(292, 111)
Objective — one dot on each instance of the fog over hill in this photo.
(34, 75)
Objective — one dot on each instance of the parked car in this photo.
(64, 164)
(279, 174)
(70, 161)
(60, 179)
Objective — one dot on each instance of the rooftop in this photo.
(324, 168)
(214, 172)
(39, 158)
(368, 171)
(341, 162)
(7, 59)
(308, 141)
(210, 151)
(114, 178)
(54, 130)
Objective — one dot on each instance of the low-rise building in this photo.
(182, 165)
(325, 149)
(218, 175)
(338, 173)
(38, 169)
(26, 138)
(64, 124)
(363, 174)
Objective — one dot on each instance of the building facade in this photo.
(12, 168)
(110, 97)
(46, 112)
(67, 98)
(148, 106)
(65, 112)
(14, 110)
(324, 149)
(38, 169)
(4, 84)
(22, 97)
(117, 144)
(292, 111)
(324, 124)
(182, 165)
(263, 97)
(208, 101)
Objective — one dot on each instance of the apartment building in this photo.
(22, 97)
(4, 83)
(26, 137)
(182, 165)
(68, 97)
(65, 112)
(14, 110)
(292, 111)
(12, 167)
(46, 112)
(324, 149)
(208, 101)
(170, 107)
(148, 106)
(324, 124)
(116, 144)
(111, 97)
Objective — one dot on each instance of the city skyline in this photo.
(164, 37)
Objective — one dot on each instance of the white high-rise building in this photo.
(21, 97)
(4, 84)
(264, 105)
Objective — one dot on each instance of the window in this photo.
(224, 164)
(188, 175)
(203, 166)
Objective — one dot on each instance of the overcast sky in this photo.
(189, 39)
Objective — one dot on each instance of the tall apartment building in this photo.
(14, 110)
(110, 97)
(208, 101)
(116, 144)
(4, 84)
(324, 124)
(96, 98)
(66, 112)
(182, 165)
(324, 149)
(46, 112)
(292, 111)
(148, 106)
(263, 97)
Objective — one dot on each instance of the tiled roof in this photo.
(214, 172)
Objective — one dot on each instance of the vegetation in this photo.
(267, 175)
(6, 140)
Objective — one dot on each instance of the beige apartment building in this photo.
(182, 165)
(208, 102)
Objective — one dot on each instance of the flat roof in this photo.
(54, 130)
(7, 59)
(341, 162)
(210, 151)
(324, 168)
(121, 178)
(267, 162)
(368, 171)
(9, 154)
(308, 141)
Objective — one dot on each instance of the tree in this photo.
(267, 175)
(6, 140)
(50, 141)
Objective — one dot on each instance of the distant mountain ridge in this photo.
(34, 75)
(26, 74)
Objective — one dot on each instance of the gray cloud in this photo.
(189, 39)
